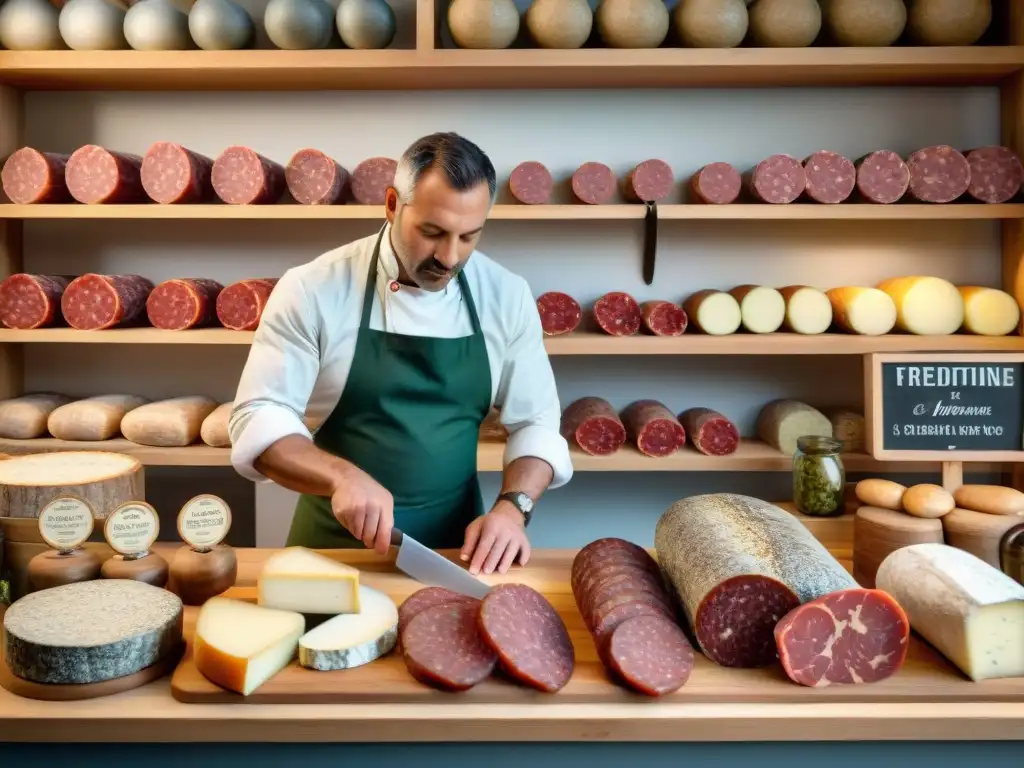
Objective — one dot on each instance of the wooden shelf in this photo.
(266, 70)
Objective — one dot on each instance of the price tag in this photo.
(204, 521)
(66, 522)
(132, 528)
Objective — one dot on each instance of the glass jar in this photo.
(1011, 553)
(819, 479)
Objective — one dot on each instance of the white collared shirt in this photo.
(303, 349)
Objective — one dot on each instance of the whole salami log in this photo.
(442, 646)
(96, 175)
(181, 303)
(313, 178)
(593, 425)
(30, 176)
(710, 432)
(651, 181)
(593, 183)
(850, 636)
(650, 654)
(830, 177)
(172, 174)
(779, 180)
(618, 314)
(996, 174)
(663, 318)
(32, 301)
(882, 177)
(240, 306)
(371, 179)
(716, 184)
(243, 177)
(738, 564)
(427, 597)
(531, 183)
(938, 174)
(95, 302)
(559, 313)
(653, 428)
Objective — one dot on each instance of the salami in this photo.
(95, 302)
(313, 178)
(531, 183)
(181, 303)
(830, 177)
(601, 550)
(32, 301)
(716, 184)
(593, 425)
(559, 313)
(173, 174)
(652, 428)
(779, 180)
(938, 174)
(663, 318)
(882, 177)
(710, 432)
(243, 177)
(96, 175)
(593, 183)
(442, 646)
(30, 176)
(996, 174)
(618, 314)
(850, 636)
(425, 598)
(650, 654)
(651, 181)
(240, 306)
(371, 179)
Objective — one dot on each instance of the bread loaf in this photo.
(23, 418)
(214, 430)
(168, 423)
(93, 418)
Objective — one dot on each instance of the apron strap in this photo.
(371, 282)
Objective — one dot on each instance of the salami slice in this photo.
(182, 303)
(830, 177)
(609, 549)
(649, 182)
(593, 183)
(592, 424)
(663, 318)
(653, 428)
(425, 598)
(882, 177)
(30, 176)
(710, 432)
(32, 301)
(243, 177)
(442, 646)
(95, 302)
(173, 174)
(315, 179)
(618, 314)
(650, 654)
(996, 174)
(559, 313)
(531, 183)
(600, 605)
(779, 180)
(716, 184)
(240, 306)
(96, 175)
(938, 174)
(371, 179)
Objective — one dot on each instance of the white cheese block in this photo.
(808, 309)
(352, 639)
(971, 612)
(864, 311)
(926, 306)
(762, 309)
(713, 312)
(239, 646)
(299, 579)
(989, 311)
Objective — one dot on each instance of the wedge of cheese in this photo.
(239, 646)
(299, 579)
(352, 639)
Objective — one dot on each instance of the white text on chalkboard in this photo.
(955, 376)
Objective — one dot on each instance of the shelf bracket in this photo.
(650, 241)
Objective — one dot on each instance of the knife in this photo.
(428, 567)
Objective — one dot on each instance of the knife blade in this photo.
(430, 568)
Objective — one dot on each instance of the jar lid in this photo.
(818, 444)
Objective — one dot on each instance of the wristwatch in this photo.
(520, 501)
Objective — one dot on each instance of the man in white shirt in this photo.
(394, 348)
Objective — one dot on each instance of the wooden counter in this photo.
(150, 714)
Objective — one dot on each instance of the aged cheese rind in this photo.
(299, 579)
(353, 639)
(782, 422)
(91, 631)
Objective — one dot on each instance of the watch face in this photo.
(525, 502)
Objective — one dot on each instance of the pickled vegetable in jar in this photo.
(819, 479)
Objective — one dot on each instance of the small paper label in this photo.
(66, 522)
(132, 528)
(204, 521)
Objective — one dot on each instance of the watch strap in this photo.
(514, 498)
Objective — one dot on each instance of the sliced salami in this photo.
(649, 182)
(172, 174)
(593, 183)
(442, 646)
(996, 174)
(601, 603)
(663, 318)
(313, 178)
(30, 177)
(240, 306)
(716, 184)
(242, 176)
(779, 180)
(96, 175)
(559, 313)
(618, 314)
(650, 654)
(609, 549)
(425, 598)
(32, 301)
(710, 432)
(531, 183)
(182, 303)
(938, 174)
(831, 177)
(95, 302)
(593, 425)
(371, 179)
(653, 428)
(882, 177)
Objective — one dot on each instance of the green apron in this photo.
(410, 417)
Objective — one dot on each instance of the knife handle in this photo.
(396, 537)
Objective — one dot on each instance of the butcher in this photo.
(374, 365)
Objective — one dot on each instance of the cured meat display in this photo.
(173, 174)
(779, 180)
(531, 183)
(442, 647)
(186, 302)
(32, 301)
(96, 175)
(618, 314)
(716, 184)
(710, 432)
(30, 176)
(996, 174)
(593, 183)
(649, 182)
(830, 177)
(371, 179)
(653, 428)
(240, 306)
(663, 318)
(882, 177)
(559, 313)
(313, 178)
(244, 177)
(938, 174)
(95, 302)
(591, 424)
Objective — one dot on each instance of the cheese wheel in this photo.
(168, 423)
(925, 306)
(928, 500)
(864, 311)
(24, 418)
(876, 492)
(782, 422)
(848, 427)
(214, 429)
(762, 309)
(978, 533)
(94, 418)
(991, 499)
(808, 310)
(715, 313)
(989, 311)
(301, 580)
(352, 639)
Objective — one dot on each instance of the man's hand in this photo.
(494, 540)
(365, 508)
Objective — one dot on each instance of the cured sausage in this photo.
(607, 552)
(593, 425)
(181, 303)
(996, 174)
(618, 314)
(173, 174)
(96, 175)
(593, 183)
(650, 654)
(371, 179)
(938, 174)
(830, 177)
(442, 646)
(651, 181)
(710, 432)
(559, 313)
(531, 183)
(30, 176)
(240, 306)
(528, 635)
(32, 301)
(425, 598)
(779, 180)
(95, 302)
(663, 318)
(244, 177)
(653, 428)
(850, 636)
(882, 177)
(313, 178)
(716, 184)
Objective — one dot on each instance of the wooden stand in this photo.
(130, 530)
(100, 478)
(64, 524)
(150, 568)
(204, 567)
(55, 569)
